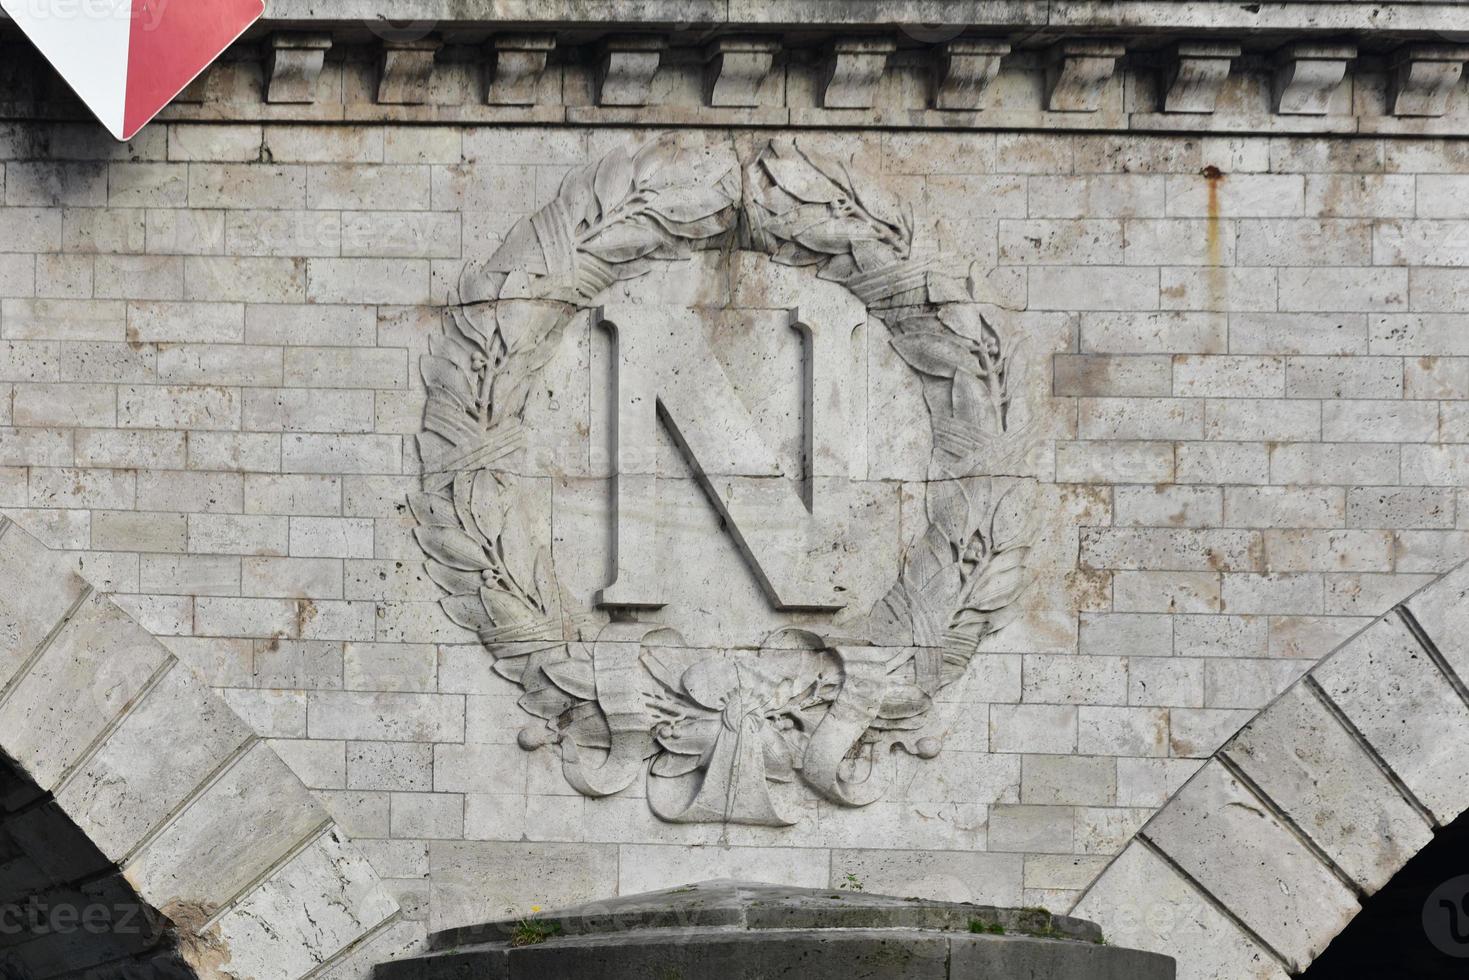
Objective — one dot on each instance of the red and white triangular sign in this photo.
(127, 59)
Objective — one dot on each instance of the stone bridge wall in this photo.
(1248, 338)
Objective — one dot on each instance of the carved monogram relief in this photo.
(722, 734)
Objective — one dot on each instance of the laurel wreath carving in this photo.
(611, 221)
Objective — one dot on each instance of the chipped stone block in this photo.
(853, 68)
(1077, 72)
(963, 70)
(737, 68)
(625, 74)
(1307, 76)
(516, 65)
(1197, 74)
(320, 902)
(295, 66)
(406, 74)
(1424, 78)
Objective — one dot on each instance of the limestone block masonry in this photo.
(209, 829)
(1331, 789)
(592, 455)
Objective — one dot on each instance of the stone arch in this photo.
(130, 783)
(1266, 854)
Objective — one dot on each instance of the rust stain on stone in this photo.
(305, 613)
(1213, 177)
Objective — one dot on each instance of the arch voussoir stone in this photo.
(188, 816)
(1267, 853)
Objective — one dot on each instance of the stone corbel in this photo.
(295, 66)
(1424, 78)
(625, 75)
(962, 70)
(853, 69)
(1307, 76)
(736, 68)
(204, 88)
(407, 73)
(517, 62)
(1196, 75)
(1077, 73)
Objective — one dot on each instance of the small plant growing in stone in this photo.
(988, 928)
(530, 930)
(851, 882)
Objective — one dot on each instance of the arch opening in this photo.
(1417, 925)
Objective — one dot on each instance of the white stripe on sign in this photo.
(87, 42)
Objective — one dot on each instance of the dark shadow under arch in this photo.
(1390, 937)
(64, 906)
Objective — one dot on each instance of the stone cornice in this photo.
(1436, 18)
(822, 76)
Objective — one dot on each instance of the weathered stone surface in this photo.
(241, 824)
(1197, 75)
(1143, 902)
(627, 69)
(295, 66)
(1280, 890)
(853, 70)
(1314, 769)
(717, 927)
(738, 68)
(30, 608)
(1395, 695)
(1308, 75)
(175, 738)
(963, 70)
(323, 900)
(517, 64)
(407, 71)
(1424, 77)
(152, 770)
(1442, 610)
(1078, 72)
(1243, 408)
(84, 678)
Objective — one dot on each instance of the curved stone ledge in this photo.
(719, 929)
(206, 823)
(1262, 858)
